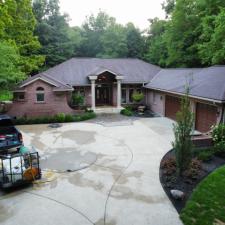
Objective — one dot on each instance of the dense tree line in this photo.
(34, 36)
(192, 36)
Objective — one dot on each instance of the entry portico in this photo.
(103, 84)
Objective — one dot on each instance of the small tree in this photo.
(77, 99)
(182, 132)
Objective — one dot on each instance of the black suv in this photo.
(10, 137)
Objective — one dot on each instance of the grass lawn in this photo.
(207, 203)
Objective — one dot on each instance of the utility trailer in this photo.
(18, 164)
(17, 169)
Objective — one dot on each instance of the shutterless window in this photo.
(124, 96)
(40, 94)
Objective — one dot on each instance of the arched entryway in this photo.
(105, 87)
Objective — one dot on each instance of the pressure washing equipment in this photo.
(19, 168)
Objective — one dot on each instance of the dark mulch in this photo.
(184, 184)
(145, 114)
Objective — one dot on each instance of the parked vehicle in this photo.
(10, 137)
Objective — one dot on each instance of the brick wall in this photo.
(55, 102)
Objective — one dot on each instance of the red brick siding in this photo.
(54, 102)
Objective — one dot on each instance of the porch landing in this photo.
(107, 110)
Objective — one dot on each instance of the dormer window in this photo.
(40, 94)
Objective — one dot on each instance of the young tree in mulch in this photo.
(182, 132)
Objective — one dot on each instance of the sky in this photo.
(136, 11)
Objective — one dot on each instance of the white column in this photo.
(93, 95)
(118, 93)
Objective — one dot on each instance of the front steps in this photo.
(107, 110)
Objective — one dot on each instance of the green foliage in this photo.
(77, 99)
(103, 37)
(218, 136)
(84, 116)
(156, 43)
(206, 205)
(182, 132)
(10, 73)
(19, 29)
(135, 41)
(58, 40)
(192, 35)
(59, 118)
(5, 95)
(212, 47)
(137, 97)
(126, 112)
(205, 154)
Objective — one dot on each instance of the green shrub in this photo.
(218, 136)
(85, 116)
(126, 112)
(137, 97)
(60, 118)
(68, 118)
(77, 99)
(205, 155)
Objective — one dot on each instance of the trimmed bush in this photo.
(138, 97)
(205, 155)
(60, 117)
(69, 118)
(126, 112)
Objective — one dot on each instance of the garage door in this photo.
(172, 106)
(205, 117)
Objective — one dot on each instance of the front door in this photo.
(103, 95)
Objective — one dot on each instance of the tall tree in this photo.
(182, 35)
(212, 45)
(20, 29)
(92, 31)
(135, 41)
(113, 42)
(157, 46)
(10, 71)
(58, 40)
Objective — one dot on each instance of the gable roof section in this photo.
(206, 83)
(76, 70)
(58, 85)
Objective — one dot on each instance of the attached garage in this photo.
(172, 106)
(206, 116)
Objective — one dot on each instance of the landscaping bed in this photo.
(132, 111)
(58, 118)
(203, 163)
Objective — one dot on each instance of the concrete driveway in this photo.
(113, 178)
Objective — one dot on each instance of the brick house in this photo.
(110, 83)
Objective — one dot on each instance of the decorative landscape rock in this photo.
(177, 194)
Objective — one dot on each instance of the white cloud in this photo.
(136, 11)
